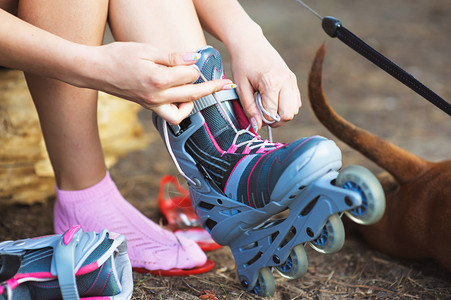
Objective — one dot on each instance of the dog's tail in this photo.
(403, 165)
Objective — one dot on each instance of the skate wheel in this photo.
(296, 264)
(361, 180)
(332, 236)
(266, 285)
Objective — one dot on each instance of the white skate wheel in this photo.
(296, 264)
(266, 285)
(332, 236)
(361, 180)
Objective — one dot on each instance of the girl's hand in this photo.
(259, 68)
(159, 81)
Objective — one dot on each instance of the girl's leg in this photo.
(170, 25)
(86, 195)
(68, 115)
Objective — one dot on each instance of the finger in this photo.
(174, 113)
(270, 102)
(289, 104)
(174, 76)
(171, 59)
(192, 92)
(246, 94)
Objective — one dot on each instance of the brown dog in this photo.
(417, 219)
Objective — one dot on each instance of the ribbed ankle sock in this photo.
(103, 207)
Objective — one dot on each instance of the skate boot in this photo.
(76, 263)
(264, 200)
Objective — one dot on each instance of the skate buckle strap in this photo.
(207, 101)
(64, 262)
(9, 265)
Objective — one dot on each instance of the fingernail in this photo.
(229, 86)
(189, 56)
(254, 124)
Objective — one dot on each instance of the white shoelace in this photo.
(263, 111)
(256, 138)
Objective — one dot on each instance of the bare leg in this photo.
(170, 25)
(68, 115)
(86, 195)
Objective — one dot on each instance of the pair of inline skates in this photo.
(265, 200)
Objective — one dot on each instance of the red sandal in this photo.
(179, 272)
(179, 213)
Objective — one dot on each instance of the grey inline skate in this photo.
(265, 200)
(73, 265)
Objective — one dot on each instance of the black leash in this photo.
(334, 28)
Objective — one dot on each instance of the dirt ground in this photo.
(414, 34)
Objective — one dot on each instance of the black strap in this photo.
(334, 28)
(9, 265)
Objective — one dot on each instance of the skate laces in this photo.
(260, 144)
(256, 138)
(263, 111)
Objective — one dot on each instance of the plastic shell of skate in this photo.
(312, 215)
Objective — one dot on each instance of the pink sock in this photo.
(103, 207)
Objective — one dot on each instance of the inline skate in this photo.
(75, 264)
(265, 200)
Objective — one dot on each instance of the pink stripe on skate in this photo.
(12, 283)
(232, 148)
(84, 270)
(97, 278)
(261, 150)
(222, 75)
(41, 237)
(88, 268)
(213, 140)
(241, 118)
(106, 281)
(250, 174)
(69, 235)
(34, 275)
(246, 150)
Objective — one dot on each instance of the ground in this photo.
(414, 34)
